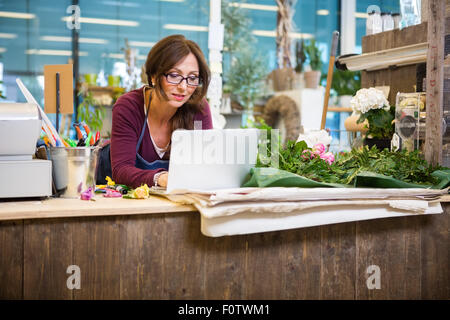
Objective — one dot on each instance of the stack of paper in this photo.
(251, 210)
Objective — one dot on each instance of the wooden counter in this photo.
(66, 208)
(153, 249)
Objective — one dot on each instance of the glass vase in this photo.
(247, 115)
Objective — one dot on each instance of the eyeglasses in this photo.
(175, 78)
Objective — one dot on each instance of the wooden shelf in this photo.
(383, 59)
(107, 90)
(339, 109)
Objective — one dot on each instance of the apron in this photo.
(140, 162)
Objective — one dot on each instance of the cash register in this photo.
(21, 176)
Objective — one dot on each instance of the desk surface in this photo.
(64, 208)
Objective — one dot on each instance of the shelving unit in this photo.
(406, 72)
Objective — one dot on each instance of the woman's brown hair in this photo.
(165, 54)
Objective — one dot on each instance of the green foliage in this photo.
(1, 93)
(293, 159)
(237, 27)
(314, 53)
(346, 82)
(91, 113)
(380, 123)
(246, 75)
(246, 68)
(405, 166)
(300, 55)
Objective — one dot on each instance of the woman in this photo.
(143, 120)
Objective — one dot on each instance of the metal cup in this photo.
(74, 169)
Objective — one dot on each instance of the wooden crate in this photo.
(400, 79)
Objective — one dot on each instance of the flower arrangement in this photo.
(313, 137)
(373, 108)
(318, 151)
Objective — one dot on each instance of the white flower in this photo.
(314, 137)
(368, 99)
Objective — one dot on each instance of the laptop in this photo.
(208, 160)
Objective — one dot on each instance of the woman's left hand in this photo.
(162, 179)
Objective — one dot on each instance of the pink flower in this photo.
(87, 194)
(315, 153)
(328, 157)
(319, 147)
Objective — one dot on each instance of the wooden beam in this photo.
(435, 81)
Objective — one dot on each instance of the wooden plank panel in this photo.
(338, 261)
(434, 255)
(410, 35)
(389, 244)
(301, 264)
(183, 247)
(47, 255)
(379, 39)
(413, 258)
(141, 257)
(96, 244)
(11, 259)
(400, 79)
(264, 267)
(435, 81)
(225, 263)
(403, 79)
(395, 38)
(366, 44)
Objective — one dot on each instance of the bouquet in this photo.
(373, 108)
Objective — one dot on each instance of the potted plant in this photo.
(244, 69)
(300, 58)
(245, 80)
(374, 110)
(313, 54)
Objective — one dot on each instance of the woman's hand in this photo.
(162, 179)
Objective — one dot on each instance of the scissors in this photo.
(83, 140)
